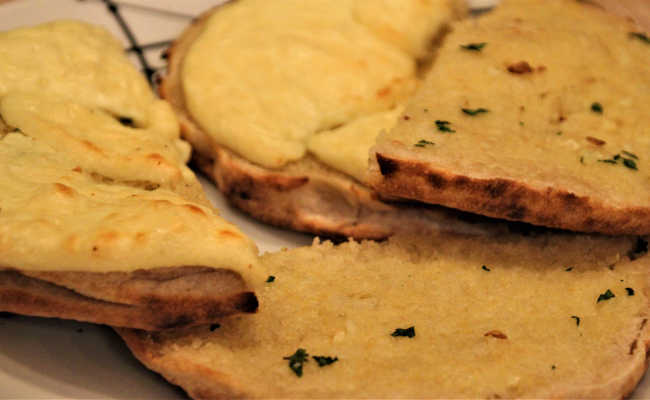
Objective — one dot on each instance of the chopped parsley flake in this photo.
(443, 126)
(475, 111)
(423, 143)
(559, 133)
(577, 319)
(582, 159)
(553, 367)
(408, 332)
(641, 36)
(296, 360)
(473, 46)
(626, 162)
(631, 164)
(325, 360)
(270, 279)
(568, 269)
(521, 123)
(484, 268)
(597, 107)
(630, 291)
(631, 155)
(605, 296)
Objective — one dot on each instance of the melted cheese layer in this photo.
(74, 61)
(346, 148)
(55, 218)
(81, 191)
(264, 76)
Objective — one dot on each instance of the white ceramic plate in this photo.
(53, 359)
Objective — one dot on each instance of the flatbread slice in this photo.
(535, 113)
(448, 316)
(263, 137)
(100, 219)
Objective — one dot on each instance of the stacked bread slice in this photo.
(100, 219)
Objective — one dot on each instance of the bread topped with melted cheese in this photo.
(282, 100)
(100, 219)
(536, 112)
(442, 316)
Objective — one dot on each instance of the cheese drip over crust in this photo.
(264, 76)
(92, 169)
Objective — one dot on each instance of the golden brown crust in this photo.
(503, 198)
(198, 381)
(154, 299)
(305, 195)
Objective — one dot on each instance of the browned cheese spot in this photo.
(230, 234)
(91, 146)
(383, 92)
(63, 189)
(194, 209)
(77, 169)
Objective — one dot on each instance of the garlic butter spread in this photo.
(92, 169)
(264, 76)
(567, 93)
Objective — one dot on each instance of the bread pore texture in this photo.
(534, 112)
(443, 316)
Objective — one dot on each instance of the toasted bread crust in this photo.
(145, 299)
(504, 198)
(198, 381)
(305, 195)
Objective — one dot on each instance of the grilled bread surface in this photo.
(534, 112)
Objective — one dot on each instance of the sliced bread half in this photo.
(535, 112)
(447, 316)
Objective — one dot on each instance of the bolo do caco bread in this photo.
(282, 100)
(100, 219)
(535, 113)
(442, 316)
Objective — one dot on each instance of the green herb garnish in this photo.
(473, 46)
(484, 268)
(559, 133)
(423, 143)
(443, 126)
(325, 360)
(641, 36)
(408, 332)
(627, 153)
(577, 319)
(296, 360)
(597, 107)
(553, 367)
(605, 296)
(630, 291)
(475, 111)
(631, 164)
(568, 269)
(270, 279)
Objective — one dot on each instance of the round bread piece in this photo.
(538, 114)
(448, 316)
(304, 195)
